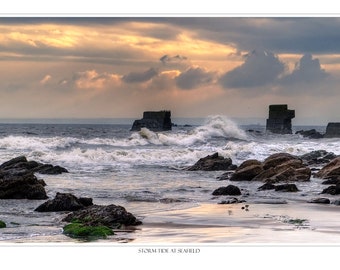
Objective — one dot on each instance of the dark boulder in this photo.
(332, 190)
(267, 186)
(50, 169)
(213, 162)
(21, 166)
(286, 188)
(320, 200)
(311, 134)
(112, 216)
(317, 158)
(64, 202)
(332, 181)
(22, 187)
(228, 190)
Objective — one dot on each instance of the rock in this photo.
(320, 200)
(112, 216)
(212, 163)
(231, 201)
(2, 224)
(155, 121)
(278, 159)
(275, 168)
(332, 130)
(228, 190)
(330, 170)
(317, 157)
(21, 166)
(50, 169)
(312, 134)
(249, 162)
(64, 202)
(79, 230)
(22, 187)
(332, 181)
(286, 188)
(332, 190)
(279, 120)
(246, 173)
(267, 186)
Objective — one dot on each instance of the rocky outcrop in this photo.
(280, 167)
(21, 166)
(22, 187)
(64, 202)
(330, 170)
(280, 119)
(112, 216)
(17, 179)
(213, 162)
(155, 121)
(333, 130)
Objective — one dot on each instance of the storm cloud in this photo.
(260, 68)
(194, 77)
(138, 77)
(307, 70)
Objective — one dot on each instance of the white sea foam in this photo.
(176, 148)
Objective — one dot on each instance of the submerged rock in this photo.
(320, 200)
(312, 134)
(213, 162)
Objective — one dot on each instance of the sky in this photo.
(118, 67)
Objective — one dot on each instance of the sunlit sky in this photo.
(118, 67)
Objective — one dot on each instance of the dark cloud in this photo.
(194, 77)
(260, 68)
(169, 59)
(308, 70)
(136, 77)
(282, 35)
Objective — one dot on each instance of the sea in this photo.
(144, 171)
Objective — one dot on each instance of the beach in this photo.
(145, 173)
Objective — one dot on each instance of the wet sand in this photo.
(291, 223)
(225, 224)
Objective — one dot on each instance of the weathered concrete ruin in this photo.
(332, 130)
(280, 119)
(155, 121)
